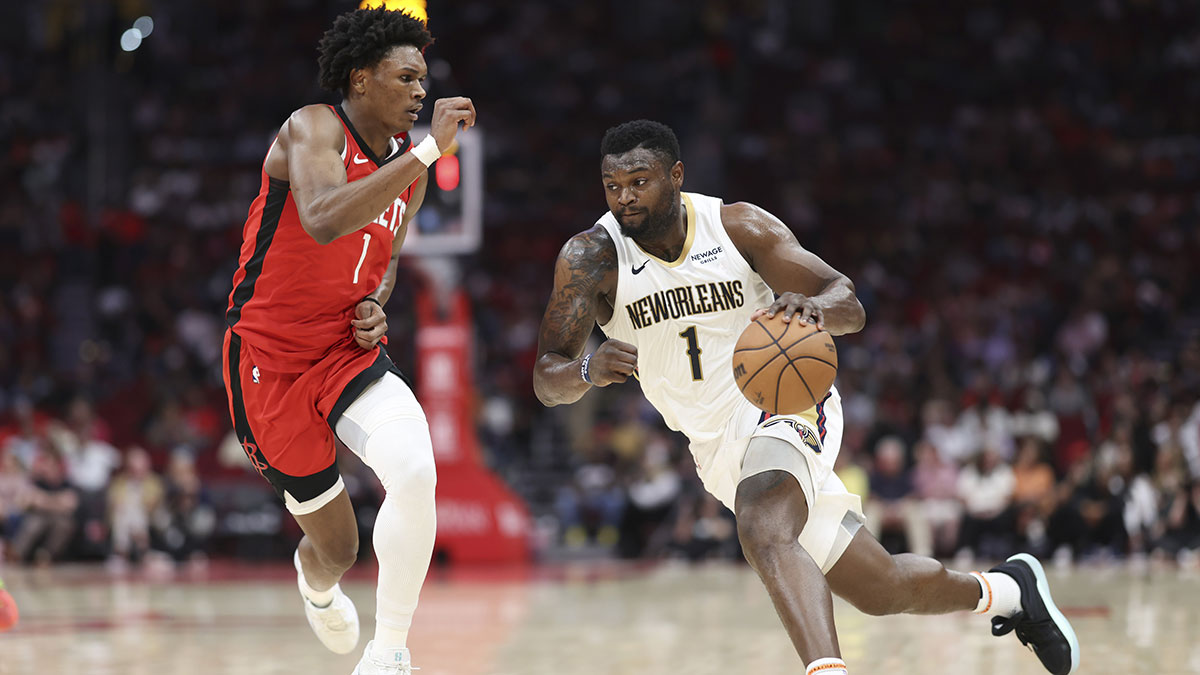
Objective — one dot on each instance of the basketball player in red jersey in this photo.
(303, 360)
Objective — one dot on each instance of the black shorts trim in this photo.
(382, 365)
(302, 488)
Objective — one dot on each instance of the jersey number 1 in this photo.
(693, 352)
(361, 258)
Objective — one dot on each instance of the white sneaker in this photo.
(336, 625)
(385, 662)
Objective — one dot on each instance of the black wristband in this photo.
(371, 299)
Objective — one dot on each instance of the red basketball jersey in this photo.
(293, 299)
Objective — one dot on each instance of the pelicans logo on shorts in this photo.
(807, 436)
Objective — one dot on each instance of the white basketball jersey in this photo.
(684, 317)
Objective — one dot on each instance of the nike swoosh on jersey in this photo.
(359, 159)
(639, 269)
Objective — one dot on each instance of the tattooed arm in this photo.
(585, 281)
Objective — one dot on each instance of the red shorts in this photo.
(286, 421)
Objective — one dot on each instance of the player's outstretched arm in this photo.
(807, 285)
(331, 207)
(584, 277)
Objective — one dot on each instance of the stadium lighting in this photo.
(131, 39)
(144, 25)
(413, 7)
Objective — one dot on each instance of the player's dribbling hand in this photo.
(792, 304)
(613, 362)
(370, 324)
(448, 113)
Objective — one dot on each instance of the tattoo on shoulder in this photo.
(591, 253)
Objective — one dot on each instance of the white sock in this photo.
(999, 594)
(317, 598)
(826, 666)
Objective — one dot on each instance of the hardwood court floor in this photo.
(609, 619)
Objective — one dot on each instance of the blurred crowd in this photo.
(66, 491)
(1011, 186)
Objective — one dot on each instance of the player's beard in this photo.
(658, 222)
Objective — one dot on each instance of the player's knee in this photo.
(340, 553)
(769, 519)
(401, 454)
(760, 542)
(418, 478)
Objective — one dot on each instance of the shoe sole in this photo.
(1060, 621)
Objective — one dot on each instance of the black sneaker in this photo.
(1039, 624)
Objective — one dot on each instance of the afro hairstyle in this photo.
(361, 39)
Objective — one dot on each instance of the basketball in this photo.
(8, 610)
(784, 368)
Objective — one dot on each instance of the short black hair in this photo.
(361, 38)
(654, 136)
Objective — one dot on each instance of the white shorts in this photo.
(813, 441)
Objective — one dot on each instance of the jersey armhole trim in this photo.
(687, 242)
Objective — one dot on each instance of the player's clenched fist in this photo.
(370, 324)
(614, 361)
(448, 113)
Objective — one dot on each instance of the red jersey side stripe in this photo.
(277, 195)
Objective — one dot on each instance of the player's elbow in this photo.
(320, 233)
(543, 384)
(855, 317)
(858, 317)
(541, 390)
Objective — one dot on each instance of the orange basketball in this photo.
(784, 368)
(8, 610)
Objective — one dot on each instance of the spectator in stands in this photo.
(14, 488)
(939, 511)
(1033, 492)
(852, 474)
(889, 511)
(1182, 530)
(185, 525)
(1175, 532)
(951, 441)
(134, 498)
(49, 519)
(1089, 520)
(985, 487)
(1189, 438)
(1034, 419)
(592, 503)
(652, 493)
(703, 529)
(90, 462)
(28, 435)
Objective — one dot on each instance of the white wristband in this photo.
(427, 151)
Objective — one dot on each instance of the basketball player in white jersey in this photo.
(672, 278)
